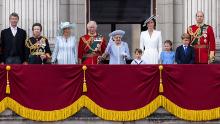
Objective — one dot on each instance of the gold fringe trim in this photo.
(3, 104)
(122, 115)
(39, 115)
(191, 115)
(131, 115)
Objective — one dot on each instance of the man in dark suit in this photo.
(13, 43)
(185, 53)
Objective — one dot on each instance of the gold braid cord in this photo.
(32, 47)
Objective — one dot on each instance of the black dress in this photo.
(35, 47)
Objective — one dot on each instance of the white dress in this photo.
(151, 46)
(65, 51)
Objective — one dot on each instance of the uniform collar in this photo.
(92, 35)
(200, 25)
(38, 38)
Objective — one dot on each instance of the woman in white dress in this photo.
(65, 51)
(151, 42)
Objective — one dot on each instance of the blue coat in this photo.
(182, 58)
(116, 53)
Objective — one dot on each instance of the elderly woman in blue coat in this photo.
(117, 49)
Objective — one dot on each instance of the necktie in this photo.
(185, 49)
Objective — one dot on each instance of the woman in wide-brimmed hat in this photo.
(65, 51)
(151, 42)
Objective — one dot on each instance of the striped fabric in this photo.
(65, 51)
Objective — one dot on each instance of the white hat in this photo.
(64, 25)
(150, 18)
(117, 32)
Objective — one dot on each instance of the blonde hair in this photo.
(185, 36)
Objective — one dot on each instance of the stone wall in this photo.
(0, 14)
(170, 20)
(75, 12)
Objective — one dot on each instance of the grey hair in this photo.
(14, 14)
(90, 23)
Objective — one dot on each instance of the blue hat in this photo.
(150, 18)
(117, 32)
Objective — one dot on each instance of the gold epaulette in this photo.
(44, 37)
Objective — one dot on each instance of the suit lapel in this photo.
(10, 32)
(187, 51)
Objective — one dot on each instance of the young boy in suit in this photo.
(185, 53)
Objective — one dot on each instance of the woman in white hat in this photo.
(65, 51)
(117, 50)
(151, 42)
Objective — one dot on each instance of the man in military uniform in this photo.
(203, 40)
(91, 45)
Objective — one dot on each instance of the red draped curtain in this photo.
(112, 92)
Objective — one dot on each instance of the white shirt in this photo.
(14, 30)
(138, 62)
(185, 47)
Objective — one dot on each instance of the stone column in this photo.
(0, 14)
(64, 10)
(178, 23)
(218, 19)
(77, 14)
(165, 19)
(209, 7)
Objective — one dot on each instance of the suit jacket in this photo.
(13, 45)
(182, 58)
